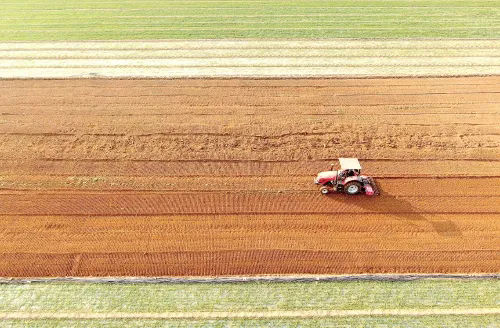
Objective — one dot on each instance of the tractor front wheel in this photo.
(352, 188)
(324, 190)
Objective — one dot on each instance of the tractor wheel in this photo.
(352, 188)
(324, 190)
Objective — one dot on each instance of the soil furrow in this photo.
(289, 98)
(377, 142)
(73, 203)
(205, 168)
(261, 90)
(339, 232)
(474, 187)
(246, 262)
(245, 125)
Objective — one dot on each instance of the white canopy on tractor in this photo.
(349, 164)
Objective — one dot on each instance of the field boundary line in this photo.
(214, 76)
(55, 57)
(243, 8)
(245, 48)
(172, 28)
(246, 77)
(305, 66)
(206, 1)
(272, 16)
(255, 161)
(432, 177)
(250, 279)
(255, 40)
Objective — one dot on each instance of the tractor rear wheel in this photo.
(324, 190)
(352, 188)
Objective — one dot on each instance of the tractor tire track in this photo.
(252, 202)
(177, 233)
(395, 186)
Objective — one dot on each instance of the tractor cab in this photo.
(349, 167)
(348, 179)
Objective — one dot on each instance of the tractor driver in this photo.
(347, 173)
(351, 173)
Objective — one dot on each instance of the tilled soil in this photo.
(214, 177)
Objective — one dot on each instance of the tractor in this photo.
(348, 179)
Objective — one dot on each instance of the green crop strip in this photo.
(205, 19)
(103, 298)
(417, 322)
(145, 300)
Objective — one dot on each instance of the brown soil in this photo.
(214, 177)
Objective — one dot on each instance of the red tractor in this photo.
(348, 179)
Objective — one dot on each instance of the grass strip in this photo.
(201, 19)
(256, 296)
(368, 321)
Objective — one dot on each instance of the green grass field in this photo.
(91, 298)
(215, 19)
(430, 321)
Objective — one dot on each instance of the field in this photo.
(157, 162)
(202, 19)
(207, 177)
(449, 303)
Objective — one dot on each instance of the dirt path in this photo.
(214, 177)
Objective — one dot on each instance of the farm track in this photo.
(206, 177)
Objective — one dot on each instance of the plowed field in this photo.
(214, 177)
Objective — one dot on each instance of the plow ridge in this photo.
(390, 168)
(447, 186)
(367, 143)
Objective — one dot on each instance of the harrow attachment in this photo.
(370, 187)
